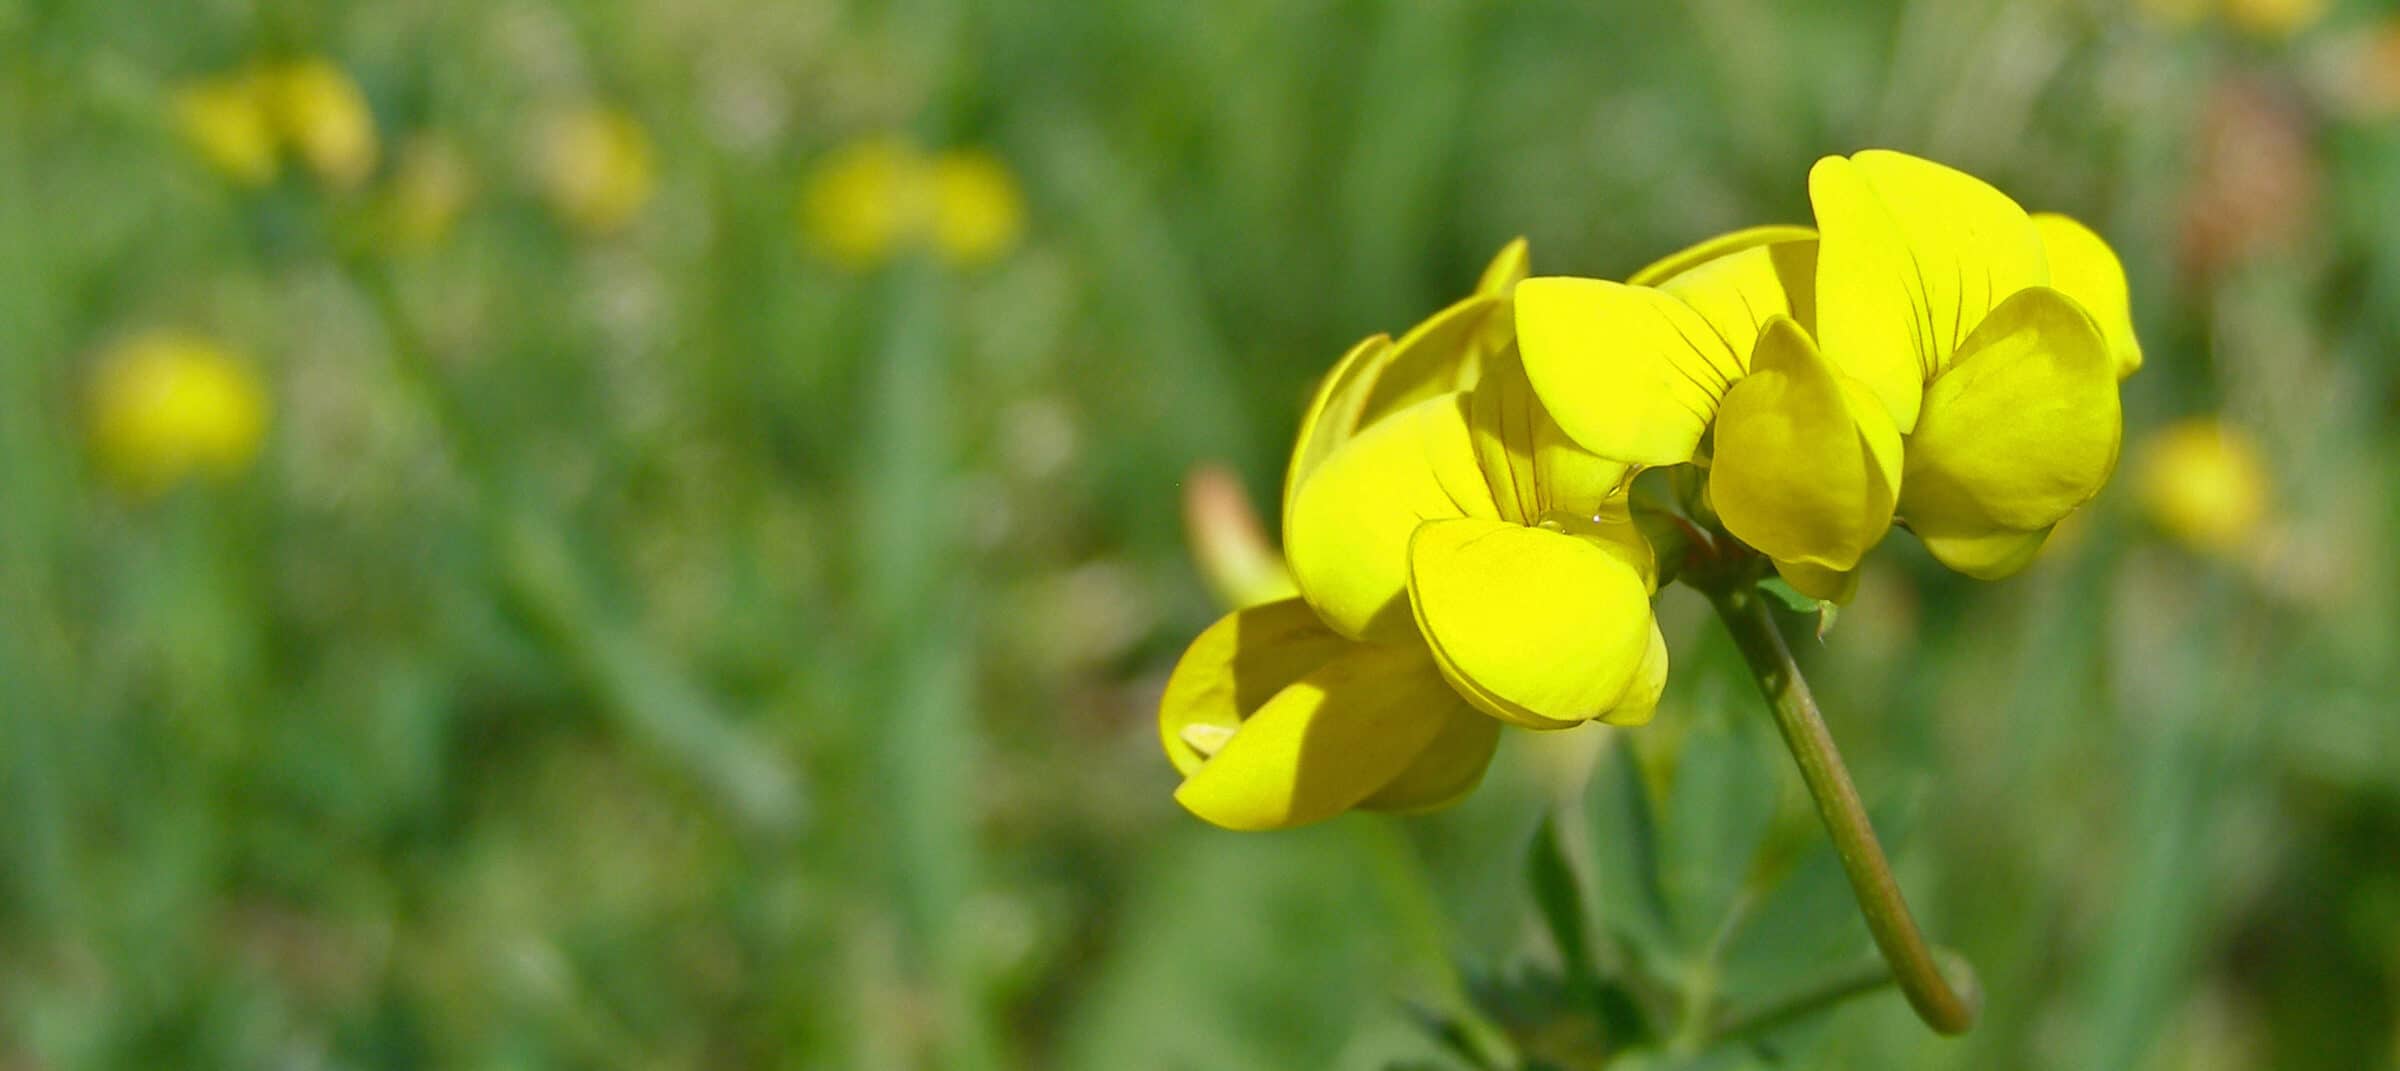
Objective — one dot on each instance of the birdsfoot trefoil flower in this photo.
(1930, 349)
(1461, 563)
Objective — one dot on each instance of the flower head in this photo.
(2203, 484)
(597, 168)
(323, 116)
(1461, 563)
(860, 204)
(165, 406)
(430, 186)
(226, 121)
(242, 123)
(978, 213)
(1930, 349)
(879, 197)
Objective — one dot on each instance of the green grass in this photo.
(672, 650)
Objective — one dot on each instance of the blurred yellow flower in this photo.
(2202, 482)
(323, 116)
(241, 123)
(978, 213)
(2274, 18)
(597, 168)
(861, 205)
(167, 405)
(877, 198)
(430, 185)
(2260, 18)
(226, 121)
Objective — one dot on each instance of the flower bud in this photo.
(1241, 566)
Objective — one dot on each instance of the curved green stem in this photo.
(1853, 981)
(1946, 1007)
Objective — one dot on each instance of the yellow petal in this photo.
(1348, 529)
(1508, 268)
(1326, 742)
(1818, 582)
(1740, 292)
(2022, 429)
(1444, 353)
(1533, 469)
(1631, 373)
(1332, 415)
(1640, 700)
(1911, 256)
(1379, 377)
(1449, 767)
(1234, 667)
(1986, 553)
(1799, 472)
(2083, 267)
(1723, 245)
(1535, 627)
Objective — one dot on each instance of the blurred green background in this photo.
(676, 618)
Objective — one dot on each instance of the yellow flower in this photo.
(1995, 339)
(977, 212)
(597, 168)
(227, 122)
(862, 204)
(324, 117)
(878, 198)
(2259, 18)
(1455, 553)
(1275, 721)
(2202, 483)
(241, 123)
(167, 405)
(1931, 348)
(429, 188)
(2274, 18)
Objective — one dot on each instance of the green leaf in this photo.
(1789, 596)
(1791, 599)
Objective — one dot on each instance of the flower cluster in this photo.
(1457, 511)
(880, 197)
(242, 122)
